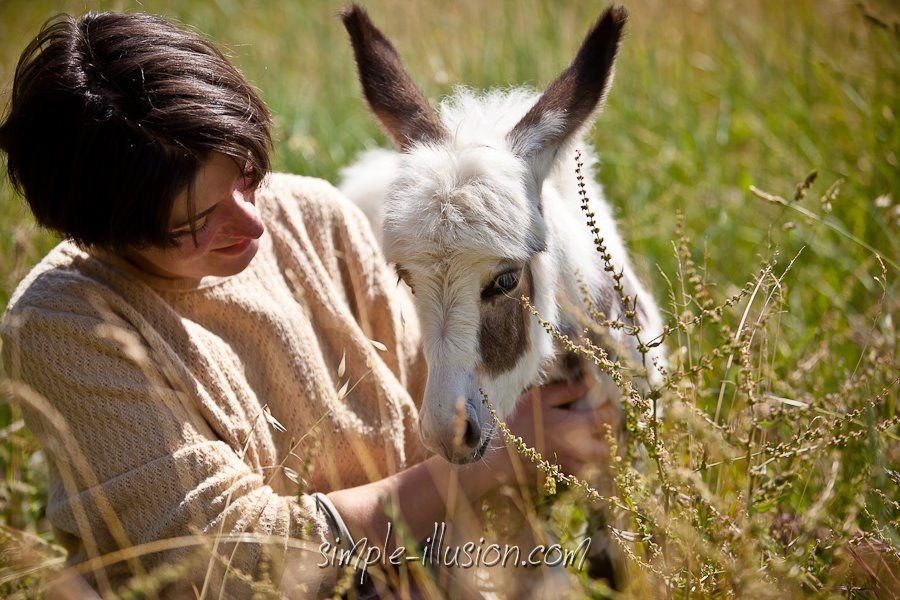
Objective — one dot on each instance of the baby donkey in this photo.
(481, 206)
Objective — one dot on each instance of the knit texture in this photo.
(149, 393)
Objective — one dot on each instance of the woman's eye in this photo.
(200, 226)
(502, 284)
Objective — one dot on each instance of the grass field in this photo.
(712, 100)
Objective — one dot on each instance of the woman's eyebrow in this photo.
(197, 216)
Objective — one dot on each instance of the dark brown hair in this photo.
(110, 117)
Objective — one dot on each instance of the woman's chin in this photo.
(233, 259)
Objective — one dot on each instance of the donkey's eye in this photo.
(503, 283)
(507, 281)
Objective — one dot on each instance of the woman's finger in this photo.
(559, 393)
(586, 452)
(590, 417)
(607, 413)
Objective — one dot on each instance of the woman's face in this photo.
(227, 222)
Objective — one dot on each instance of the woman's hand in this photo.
(571, 437)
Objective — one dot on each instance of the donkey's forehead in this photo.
(447, 199)
(457, 269)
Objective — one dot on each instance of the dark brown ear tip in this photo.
(616, 15)
(358, 24)
(353, 14)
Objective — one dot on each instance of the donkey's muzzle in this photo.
(466, 435)
(474, 442)
(460, 440)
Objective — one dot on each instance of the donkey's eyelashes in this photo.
(504, 283)
(508, 281)
(403, 274)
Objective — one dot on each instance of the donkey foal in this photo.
(481, 206)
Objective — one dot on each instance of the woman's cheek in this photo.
(204, 240)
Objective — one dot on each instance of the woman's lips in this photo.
(234, 249)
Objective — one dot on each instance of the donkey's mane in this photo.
(455, 194)
(485, 116)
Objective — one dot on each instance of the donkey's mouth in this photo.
(466, 459)
(479, 453)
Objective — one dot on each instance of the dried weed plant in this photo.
(770, 475)
(763, 473)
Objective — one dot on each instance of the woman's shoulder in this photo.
(68, 294)
(59, 281)
(298, 208)
(62, 306)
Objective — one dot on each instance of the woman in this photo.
(183, 353)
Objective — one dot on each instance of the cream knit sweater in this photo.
(149, 394)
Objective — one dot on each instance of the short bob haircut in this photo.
(111, 116)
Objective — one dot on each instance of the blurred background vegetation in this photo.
(710, 97)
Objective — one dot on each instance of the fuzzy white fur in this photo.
(450, 213)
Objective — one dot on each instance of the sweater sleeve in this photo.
(382, 305)
(395, 320)
(134, 465)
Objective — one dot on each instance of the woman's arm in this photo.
(421, 491)
(421, 495)
(137, 464)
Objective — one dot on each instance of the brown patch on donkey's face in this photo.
(503, 335)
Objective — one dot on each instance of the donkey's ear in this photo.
(394, 98)
(572, 98)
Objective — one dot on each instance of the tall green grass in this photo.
(710, 98)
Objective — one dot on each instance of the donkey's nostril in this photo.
(472, 436)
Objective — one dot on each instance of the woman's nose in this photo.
(244, 219)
